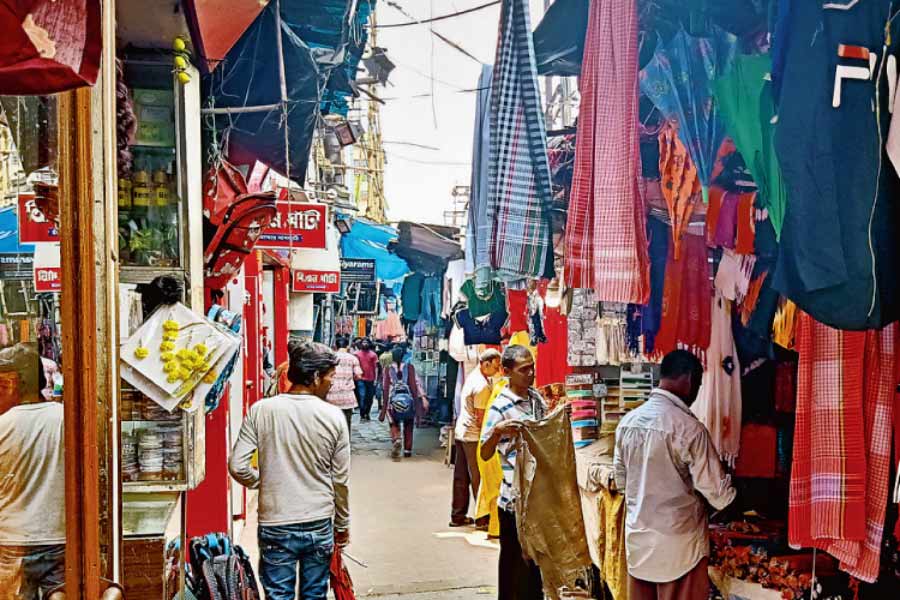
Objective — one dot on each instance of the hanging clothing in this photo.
(745, 101)
(548, 503)
(490, 300)
(552, 366)
(411, 296)
(734, 274)
(520, 193)
(719, 404)
(678, 81)
(484, 331)
(432, 302)
(842, 443)
(839, 256)
(517, 307)
(478, 231)
(680, 185)
(783, 328)
(606, 244)
(685, 318)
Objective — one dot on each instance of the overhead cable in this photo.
(434, 19)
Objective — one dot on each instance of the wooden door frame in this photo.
(89, 315)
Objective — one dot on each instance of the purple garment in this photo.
(726, 228)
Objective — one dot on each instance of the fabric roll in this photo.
(520, 194)
(606, 244)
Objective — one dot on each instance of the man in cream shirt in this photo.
(664, 462)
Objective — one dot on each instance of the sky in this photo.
(418, 181)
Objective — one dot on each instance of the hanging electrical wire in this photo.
(434, 19)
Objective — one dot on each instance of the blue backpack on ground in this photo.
(401, 403)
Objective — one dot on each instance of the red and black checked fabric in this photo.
(606, 240)
(842, 443)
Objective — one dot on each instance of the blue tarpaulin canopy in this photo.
(370, 240)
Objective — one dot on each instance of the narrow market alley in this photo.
(399, 513)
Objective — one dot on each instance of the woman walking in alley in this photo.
(346, 375)
(403, 402)
(304, 466)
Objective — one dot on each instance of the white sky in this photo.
(417, 188)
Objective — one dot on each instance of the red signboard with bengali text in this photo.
(320, 282)
(47, 279)
(34, 227)
(296, 225)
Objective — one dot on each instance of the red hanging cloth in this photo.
(48, 46)
(341, 584)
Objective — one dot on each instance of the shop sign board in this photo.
(16, 266)
(321, 282)
(358, 270)
(47, 268)
(34, 227)
(47, 279)
(296, 225)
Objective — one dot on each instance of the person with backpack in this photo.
(303, 476)
(403, 401)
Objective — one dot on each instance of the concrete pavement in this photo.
(399, 515)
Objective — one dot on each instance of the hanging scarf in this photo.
(606, 243)
(680, 184)
(686, 299)
(520, 195)
(841, 467)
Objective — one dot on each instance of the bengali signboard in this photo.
(296, 225)
(321, 282)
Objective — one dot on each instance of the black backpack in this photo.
(401, 402)
(220, 570)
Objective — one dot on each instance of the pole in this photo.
(283, 82)
(548, 85)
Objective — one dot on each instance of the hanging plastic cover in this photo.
(678, 81)
(49, 46)
(559, 38)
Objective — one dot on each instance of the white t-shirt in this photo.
(468, 428)
(32, 475)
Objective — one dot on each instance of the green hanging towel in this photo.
(745, 102)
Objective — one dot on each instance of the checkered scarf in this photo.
(519, 173)
(842, 444)
(606, 241)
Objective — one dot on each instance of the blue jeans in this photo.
(365, 393)
(432, 300)
(284, 548)
(31, 572)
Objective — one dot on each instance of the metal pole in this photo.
(283, 81)
(548, 85)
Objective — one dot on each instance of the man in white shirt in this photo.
(476, 393)
(32, 482)
(303, 475)
(664, 462)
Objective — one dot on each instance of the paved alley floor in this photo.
(399, 514)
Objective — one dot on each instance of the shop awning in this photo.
(216, 25)
(322, 42)
(427, 248)
(49, 46)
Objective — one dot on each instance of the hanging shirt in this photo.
(32, 475)
(839, 258)
(664, 456)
